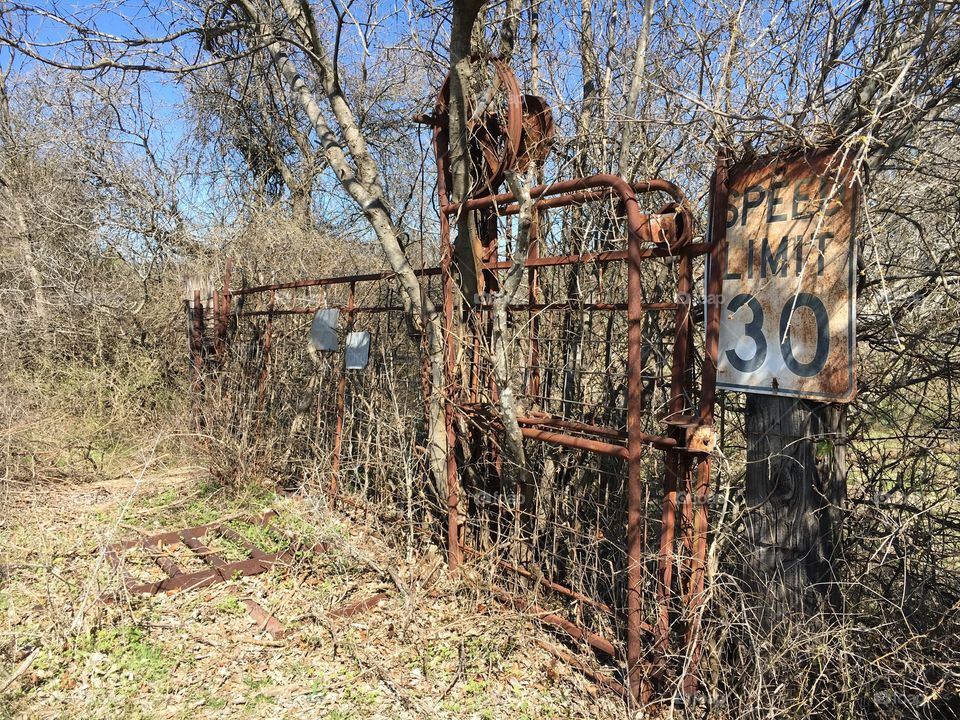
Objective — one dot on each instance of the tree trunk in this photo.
(14, 229)
(795, 488)
(466, 245)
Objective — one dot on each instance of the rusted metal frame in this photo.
(191, 539)
(565, 306)
(576, 442)
(177, 579)
(267, 341)
(172, 537)
(608, 256)
(341, 402)
(513, 307)
(219, 570)
(676, 463)
(689, 421)
(201, 578)
(697, 577)
(581, 197)
(164, 562)
(636, 666)
(575, 191)
(716, 262)
(657, 441)
(589, 307)
(238, 539)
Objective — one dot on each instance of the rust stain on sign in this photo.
(788, 320)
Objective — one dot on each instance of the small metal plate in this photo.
(323, 330)
(358, 350)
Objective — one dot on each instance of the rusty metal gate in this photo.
(616, 387)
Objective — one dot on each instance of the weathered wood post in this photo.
(795, 490)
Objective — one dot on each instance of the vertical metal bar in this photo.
(694, 600)
(198, 389)
(675, 466)
(714, 296)
(341, 400)
(712, 318)
(267, 342)
(227, 300)
(689, 489)
(191, 356)
(686, 517)
(453, 482)
(217, 325)
(475, 362)
(636, 680)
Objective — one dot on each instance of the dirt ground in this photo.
(435, 647)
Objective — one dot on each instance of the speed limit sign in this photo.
(788, 316)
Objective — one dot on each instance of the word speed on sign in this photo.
(788, 317)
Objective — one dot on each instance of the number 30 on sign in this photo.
(788, 316)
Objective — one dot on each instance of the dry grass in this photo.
(435, 648)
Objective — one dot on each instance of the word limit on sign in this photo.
(788, 317)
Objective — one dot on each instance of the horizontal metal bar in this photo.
(597, 642)
(335, 280)
(238, 539)
(692, 250)
(192, 541)
(549, 421)
(576, 191)
(608, 682)
(311, 310)
(578, 443)
(658, 441)
(590, 307)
